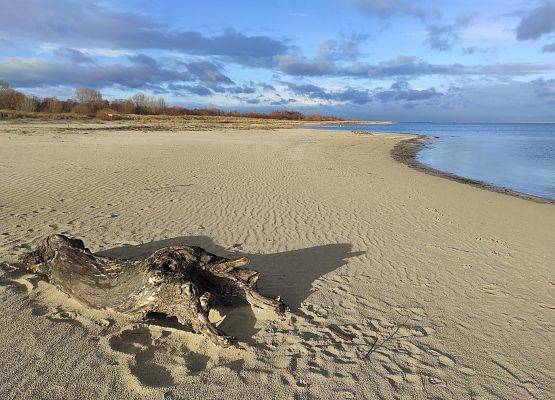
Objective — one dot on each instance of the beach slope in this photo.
(401, 285)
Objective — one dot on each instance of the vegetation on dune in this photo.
(74, 123)
(89, 103)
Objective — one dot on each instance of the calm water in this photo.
(515, 156)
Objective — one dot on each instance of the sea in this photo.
(516, 156)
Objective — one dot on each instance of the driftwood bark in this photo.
(180, 281)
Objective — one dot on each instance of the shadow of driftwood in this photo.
(289, 274)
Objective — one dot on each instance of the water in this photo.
(520, 157)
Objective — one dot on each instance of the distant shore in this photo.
(350, 122)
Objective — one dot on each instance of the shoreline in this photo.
(406, 151)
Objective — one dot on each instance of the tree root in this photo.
(181, 281)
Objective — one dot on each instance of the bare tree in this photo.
(122, 106)
(53, 105)
(28, 103)
(140, 100)
(87, 95)
(9, 98)
(157, 106)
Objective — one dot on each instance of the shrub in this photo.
(107, 114)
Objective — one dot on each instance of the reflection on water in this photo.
(516, 156)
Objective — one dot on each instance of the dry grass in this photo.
(127, 122)
(39, 116)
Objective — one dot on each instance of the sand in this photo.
(446, 289)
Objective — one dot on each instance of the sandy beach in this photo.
(445, 288)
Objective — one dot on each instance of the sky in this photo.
(441, 60)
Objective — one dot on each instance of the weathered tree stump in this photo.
(180, 281)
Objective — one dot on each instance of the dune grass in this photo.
(145, 122)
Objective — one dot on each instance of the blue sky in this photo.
(377, 59)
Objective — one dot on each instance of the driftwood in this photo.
(180, 281)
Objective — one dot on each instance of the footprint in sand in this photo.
(442, 358)
(139, 343)
(39, 310)
(131, 341)
(23, 246)
(435, 380)
(196, 362)
(494, 290)
(60, 314)
(344, 394)
(235, 247)
(13, 285)
(148, 372)
(467, 371)
(170, 396)
(16, 278)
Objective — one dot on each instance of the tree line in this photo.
(88, 101)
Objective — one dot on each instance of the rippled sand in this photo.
(446, 289)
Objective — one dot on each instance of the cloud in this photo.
(444, 37)
(308, 90)
(73, 23)
(545, 89)
(301, 66)
(549, 48)
(345, 48)
(401, 91)
(249, 87)
(388, 8)
(349, 94)
(74, 55)
(500, 101)
(201, 78)
(266, 86)
(329, 51)
(143, 59)
(398, 92)
(34, 72)
(538, 22)
(282, 102)
(144, 72)
(479, 50)
(404, 66)
(512, 100)
(199, 90)
(244, 89)
(202, 90)
(470, 50)
(208, 72)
